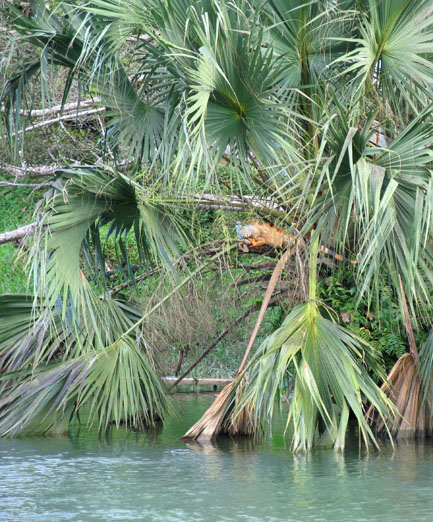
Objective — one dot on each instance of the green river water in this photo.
(152, 476)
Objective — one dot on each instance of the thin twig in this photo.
(254, 308)
(250, 280)
(135, 280)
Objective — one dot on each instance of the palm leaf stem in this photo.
(214, 420)
(271, 286)
(408, 322)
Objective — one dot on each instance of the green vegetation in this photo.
(314, 116)
(16, 208)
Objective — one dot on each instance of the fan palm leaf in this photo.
(328, 365)
(328, 368)
(116, 384)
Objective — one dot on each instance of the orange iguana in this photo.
(261, 234)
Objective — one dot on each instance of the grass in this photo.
(15, 210)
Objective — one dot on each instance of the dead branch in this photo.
(237, 203)
(193, 253)
(56, 109)
(65, 117)
(275, 300)
(17, 234)
(26, 170)
(15, 184)
(250, 280)
(131, 282)
(260, 266)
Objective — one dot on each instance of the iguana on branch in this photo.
(261, 234)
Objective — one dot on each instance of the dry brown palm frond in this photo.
(216, 420)
(210, 423)
(243, 422)
(404, 389)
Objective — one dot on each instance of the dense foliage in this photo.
(321, 112)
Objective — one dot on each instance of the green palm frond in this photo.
(308, 38)
(97, 197)
(121, 386)
(392, 54)
(209, 64)
(52, 370)
(116, 384)
(28, 335)
(395, 208)
(41, 402)
(232, 104)
(328, 365)
(425, 369)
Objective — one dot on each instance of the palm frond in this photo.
(115, 384)
(328, 364)
(97, 197)
(392, 53)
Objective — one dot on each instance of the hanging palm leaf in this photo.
(116, 384)
(328, 366)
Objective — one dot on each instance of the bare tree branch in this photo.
(236, 203)
(71, 116)
(16, 184)
(55, 109)
(26, 170)
(19, 233)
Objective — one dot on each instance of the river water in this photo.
(152, 476)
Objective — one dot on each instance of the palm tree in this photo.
(322, 108)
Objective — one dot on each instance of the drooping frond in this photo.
(94, 198)
(115, 384)
(392, 54)
(328, 366)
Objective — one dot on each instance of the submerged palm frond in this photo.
(326, 366)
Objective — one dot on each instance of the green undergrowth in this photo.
(16, 208)
(379, 325)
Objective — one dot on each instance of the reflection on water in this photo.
(153, 476)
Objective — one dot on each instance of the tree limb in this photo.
(15, 184)
(55, 109)
(19, 233)
(250, 280)
(26, 171)
(72, 116)
(275, 300)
